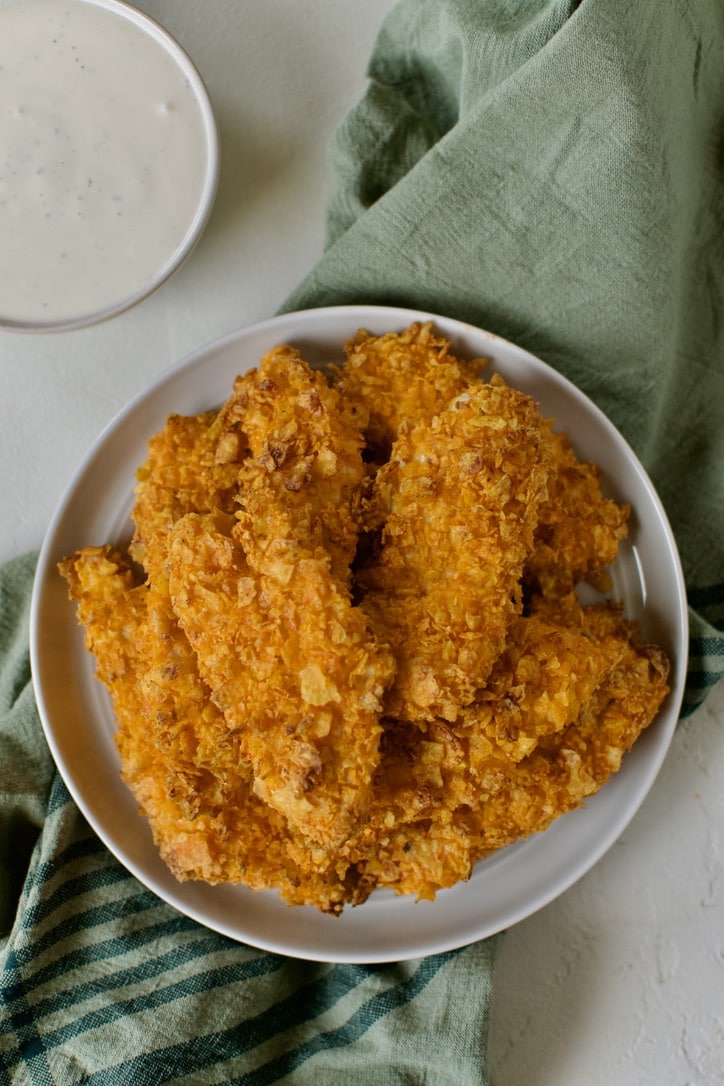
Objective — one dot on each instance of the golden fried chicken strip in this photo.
(207, 820)
(448, 795)
(459, 499)
(408, 375)
(293, 667)
(187, 728)
(304, 478)
(308, 677)
(421, 783)
(179, 758)
(539, 685)
(572, 765)
(579, 530)
(111, 608)
(191, 467)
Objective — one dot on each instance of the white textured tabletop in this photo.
(620, 980)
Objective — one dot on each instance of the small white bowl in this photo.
(110, 160)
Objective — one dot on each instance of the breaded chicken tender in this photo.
(572, 765)
(207, 820)
(545, 675)
(579, 530)
(303, 481)
(179, 758)
(111, 608)
(459, 502)
(183, 473)
(400, 376)
(447, 796)
(300, 676)
(293, 667)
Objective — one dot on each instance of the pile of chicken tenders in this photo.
(345, 646)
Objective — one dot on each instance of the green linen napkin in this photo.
(549, 171)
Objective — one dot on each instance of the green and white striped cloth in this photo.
(551, 171)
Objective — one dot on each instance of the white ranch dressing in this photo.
(107, 159)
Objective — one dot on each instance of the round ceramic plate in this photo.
(78, 718)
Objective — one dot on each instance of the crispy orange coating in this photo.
(179, 758)
(401, 376)
(208, 821)
(569, 766)
(579, 530)
(183, 473)
(449, 795)
(300, 669)
(345, 650)
(111, 609)
(459, 501)
(303, 481)
(292, 665)
(545, 675)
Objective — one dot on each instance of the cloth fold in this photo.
(551, 171)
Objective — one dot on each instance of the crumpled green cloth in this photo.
(552, 172)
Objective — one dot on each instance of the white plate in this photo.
(79, 723)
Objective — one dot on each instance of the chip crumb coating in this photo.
(304, 479)
(449, 795)
(179, 758)
(345, 649)
(111, 608)
(292, 665)
(458, 503)
(300, 676)
(546, 673)
(182, 473)
(393, 378)
(579, 529)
